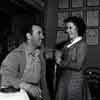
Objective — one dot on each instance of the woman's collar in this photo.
(77, 39)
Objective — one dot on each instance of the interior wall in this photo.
(51, 21)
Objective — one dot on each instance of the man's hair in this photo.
(78, 22)
(28, 29)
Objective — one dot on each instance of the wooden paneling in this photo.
(92, 2)
(61, 17)
(63, 4)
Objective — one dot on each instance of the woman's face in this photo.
(72, 30)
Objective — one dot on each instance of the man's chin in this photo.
(39, 45)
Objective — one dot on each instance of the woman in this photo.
(72, 61)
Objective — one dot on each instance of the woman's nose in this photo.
(67, 30)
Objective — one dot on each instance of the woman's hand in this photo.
(58, 55)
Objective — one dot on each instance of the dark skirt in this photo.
(72, 86)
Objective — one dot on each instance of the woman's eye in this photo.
(70, 27)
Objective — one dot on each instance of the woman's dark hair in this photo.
(79, 22)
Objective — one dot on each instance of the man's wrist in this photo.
(25, 86)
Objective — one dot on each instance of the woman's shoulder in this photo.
(82, 42)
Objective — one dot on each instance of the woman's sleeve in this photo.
(80, 57)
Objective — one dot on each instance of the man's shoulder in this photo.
(16, 53)
(20, 48)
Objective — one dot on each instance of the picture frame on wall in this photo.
(92, 18)
(61, 16)
(92, 36)
(77, 3)
(77, 13)
(61, 36)
(92, 2)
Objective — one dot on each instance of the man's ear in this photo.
(28, 35)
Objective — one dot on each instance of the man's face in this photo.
(37, 35)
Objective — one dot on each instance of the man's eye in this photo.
(38, 32)
(70, 27)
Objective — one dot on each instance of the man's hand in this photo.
(25, 86)
(33, 90)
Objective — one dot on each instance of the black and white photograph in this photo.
(49, 49)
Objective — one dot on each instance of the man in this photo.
(24, 68)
